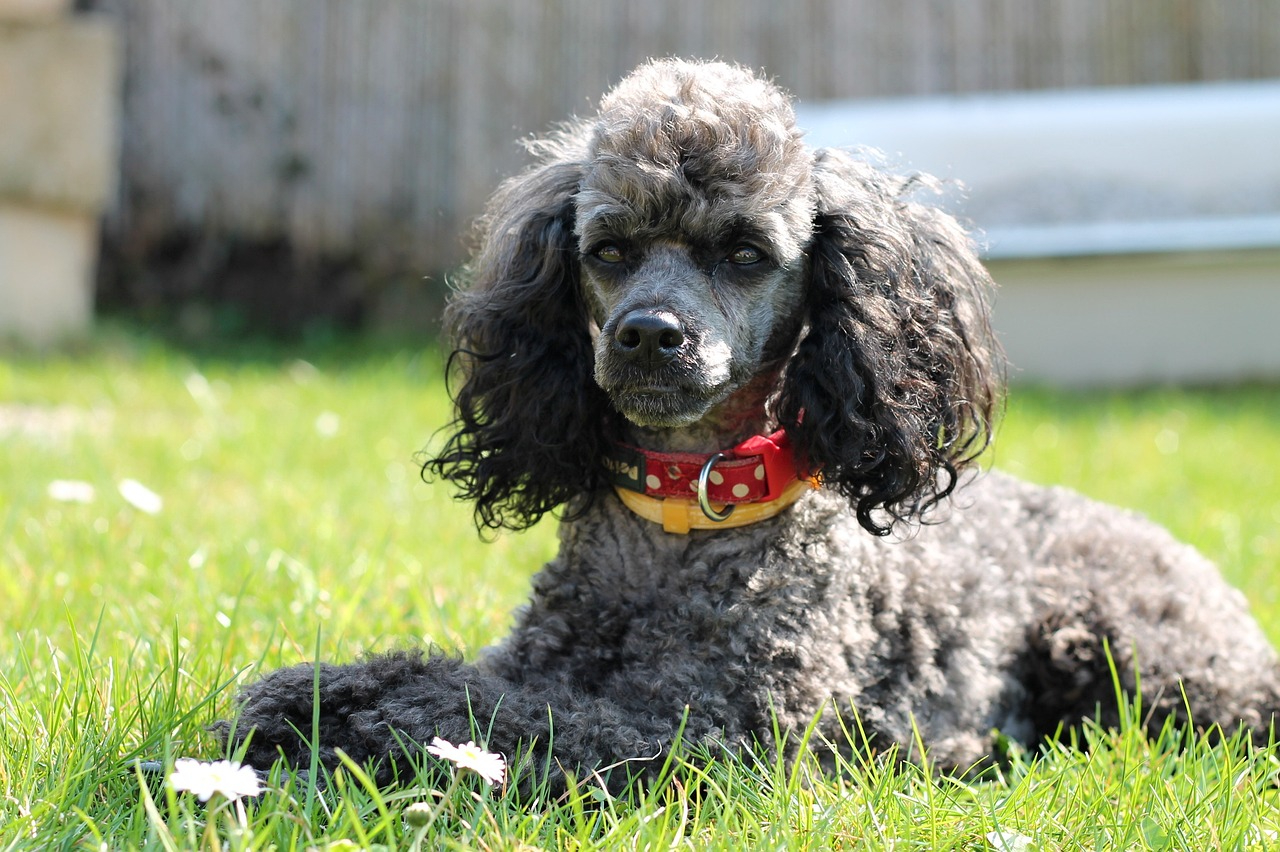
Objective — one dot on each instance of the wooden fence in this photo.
(378, 127)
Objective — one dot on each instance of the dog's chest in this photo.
(638, 592)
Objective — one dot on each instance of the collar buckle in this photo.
(704, 501)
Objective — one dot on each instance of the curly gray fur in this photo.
(681, 272)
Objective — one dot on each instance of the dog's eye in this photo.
(609, 254)
(745, 255)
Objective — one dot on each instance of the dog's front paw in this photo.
(373, 711)
(275, 716)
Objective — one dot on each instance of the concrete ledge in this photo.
(1140, 319)
(59, 105)
(1114, 156)
(46, 272)
(1134, 232)
(39, 11)
(1145, 237)
(59, 159)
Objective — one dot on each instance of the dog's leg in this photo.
(367, 710)
(1216, 679)
(386, 708)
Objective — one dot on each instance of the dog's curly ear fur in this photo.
(529, 416)
(895, 386)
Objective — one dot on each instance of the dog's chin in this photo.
(661, 409)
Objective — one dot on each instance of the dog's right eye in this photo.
(609, 254)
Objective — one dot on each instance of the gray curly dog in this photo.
(742, 369)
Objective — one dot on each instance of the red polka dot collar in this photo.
(758, 470)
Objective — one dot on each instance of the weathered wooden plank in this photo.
(378, 127)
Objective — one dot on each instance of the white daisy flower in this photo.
(327, 424)
(418, 815)
(222, 777)
(487, 765)
(140, 496)
(1010, 841)
(71, 491)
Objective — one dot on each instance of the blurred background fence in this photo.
(323, 156)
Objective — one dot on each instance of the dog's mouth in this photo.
(662, 401)
(662, 407)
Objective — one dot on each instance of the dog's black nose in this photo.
(649, 336)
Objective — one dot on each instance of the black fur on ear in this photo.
(529, 418)
(896, 384)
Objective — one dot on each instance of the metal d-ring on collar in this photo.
(704, 502)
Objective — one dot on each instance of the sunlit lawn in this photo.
(294, 523)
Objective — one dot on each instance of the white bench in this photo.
(1135, 233)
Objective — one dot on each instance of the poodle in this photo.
(753, 379)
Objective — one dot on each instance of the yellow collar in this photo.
(681, 514)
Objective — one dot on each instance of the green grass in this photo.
(295, 524)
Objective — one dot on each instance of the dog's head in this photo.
(692, 215)
(684, 259)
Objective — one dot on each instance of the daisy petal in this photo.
(140, 496)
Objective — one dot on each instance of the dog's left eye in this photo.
(609, 254)
(745, 255)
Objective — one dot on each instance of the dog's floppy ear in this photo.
(528, 414)
(894, 387)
